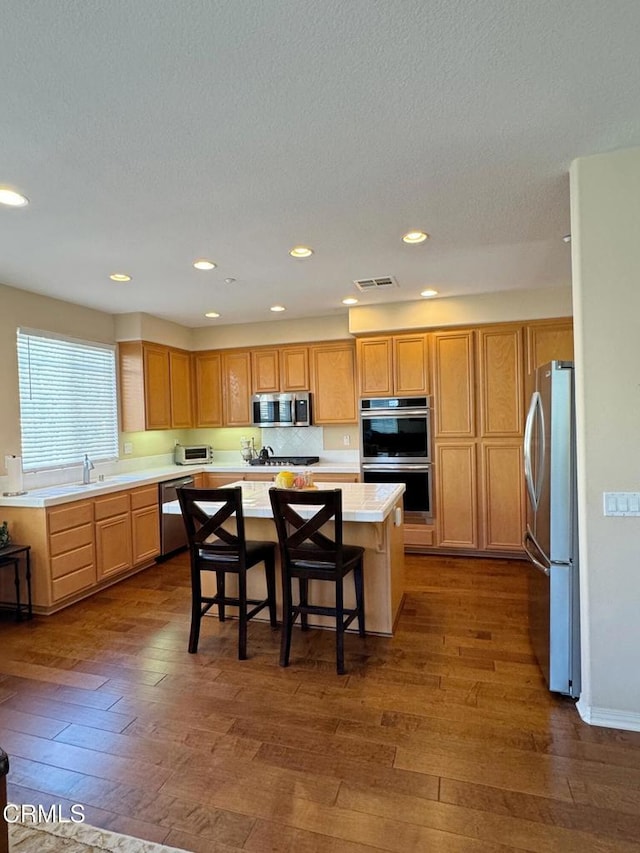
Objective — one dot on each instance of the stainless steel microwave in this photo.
(194, 454)
(282, 410)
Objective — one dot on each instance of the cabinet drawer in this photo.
(144, 497)
(67, 540)
(71, 561)
(417, 535)
(74, 582)
(70, 515)
(112, 505)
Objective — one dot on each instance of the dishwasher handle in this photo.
(168, 488)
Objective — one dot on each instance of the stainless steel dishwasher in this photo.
(172, 533)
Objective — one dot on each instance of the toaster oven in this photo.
(193, 454)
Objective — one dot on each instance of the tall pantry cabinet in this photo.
(478, 417)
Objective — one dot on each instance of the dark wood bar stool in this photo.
(214, 549)
(307, 554)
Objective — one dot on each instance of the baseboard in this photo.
(609, 717)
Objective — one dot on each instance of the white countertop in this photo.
(361, 502)
(65, 493)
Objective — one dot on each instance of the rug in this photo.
(76, 838)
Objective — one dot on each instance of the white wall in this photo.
(605, 214)
(499, 307)
(274, 332)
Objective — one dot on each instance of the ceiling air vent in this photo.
(370, 284)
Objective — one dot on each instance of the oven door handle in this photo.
(389, 469)
(369, 414)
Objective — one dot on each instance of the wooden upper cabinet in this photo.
(294, 369)
(549, 340)
(144, 386)
(157, 394)
(265, 370)
(180, 385)
(155, 387)
(500, 379)
(375, 366)
(393, 365)
(454, 384)
(282, 369)
(236, 379)
(410, 364)
(208, 389)
(334, 383)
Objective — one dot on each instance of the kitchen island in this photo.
(372, 517)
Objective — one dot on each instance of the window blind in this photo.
(68, 400)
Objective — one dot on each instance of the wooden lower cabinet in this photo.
(71, 549)
(113, 534)
(113, 545)
(456, 505)
(81, 546)
(502, 501)
(145, 525)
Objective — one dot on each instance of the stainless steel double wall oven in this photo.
(395, 447)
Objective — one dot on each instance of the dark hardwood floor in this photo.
(443, 738)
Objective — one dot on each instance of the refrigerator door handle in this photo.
(534, 486)
(528, 432)
(529, 537)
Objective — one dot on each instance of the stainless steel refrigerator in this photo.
(551, 536)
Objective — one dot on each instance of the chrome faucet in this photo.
(87, 468)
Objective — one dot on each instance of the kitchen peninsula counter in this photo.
(372, 517)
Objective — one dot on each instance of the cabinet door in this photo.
(157, 396)
(502, 496)
(501, 381)
(548, 341)
(375, 365)
(410, 364)
(334, 384)
(180, 382)
(265, 371)
(294, 369)
(236, 375)
(145, 534)
(218, 481)
(208, 377)
(456, 495)
(113, 545)
(454, 394)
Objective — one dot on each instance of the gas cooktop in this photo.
(286, 460)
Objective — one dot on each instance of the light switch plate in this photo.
(621, 503)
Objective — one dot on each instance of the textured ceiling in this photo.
(149, 133)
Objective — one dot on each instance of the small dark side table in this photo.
(11, 555)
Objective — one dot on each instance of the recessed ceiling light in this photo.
(301, 252)
(349, 301)
(12, 199)
(212, 314)
(567, 238)
(204, 264)
(413, 237)
(229, 280)
(428, 292)
(119, 276)
(278, 308)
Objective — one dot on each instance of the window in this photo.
(68, 400)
